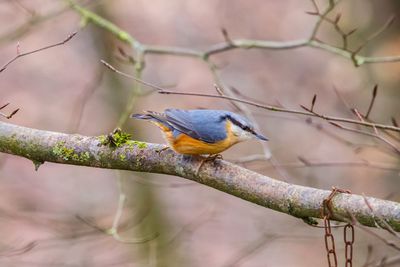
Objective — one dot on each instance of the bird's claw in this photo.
(208, 158)
(162, 149)
(213, 157)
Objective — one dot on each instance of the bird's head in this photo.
(243, 129)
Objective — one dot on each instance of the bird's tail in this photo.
(150, 115)
(154, 117)
(141, 116)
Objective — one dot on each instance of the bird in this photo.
(201, 131)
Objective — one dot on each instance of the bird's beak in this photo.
(261, 137)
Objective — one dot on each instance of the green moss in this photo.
(122, 157)
(120, 138)
(85, 156)
(60, 150)
(140, 145)
(103, 139)
(67, 153)
(117, 138)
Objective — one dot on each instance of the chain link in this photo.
(348, 237)
(348, 232)
(330, 243)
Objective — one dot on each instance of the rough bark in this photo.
(299, 201)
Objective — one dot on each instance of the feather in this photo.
(205, 125)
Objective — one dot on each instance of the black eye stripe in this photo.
(236, 122)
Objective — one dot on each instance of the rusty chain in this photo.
(329, 243)
(348, 232)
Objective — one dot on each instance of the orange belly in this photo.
(185, 144)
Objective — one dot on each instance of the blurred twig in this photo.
(250, 249)
(19, 55)
(371, 104)
(259, 105)
(378, 136)
(29, 24)
(362, 121)
(82, 99)
(230, 44)
(304, 163)
(9, 116)
(18, 251)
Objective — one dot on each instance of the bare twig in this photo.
(342, 99)
(393, 146)
(17, 251)
(374, 92)
(5, 105)
(226, 36)
(380, 221)
(37, 50)
(306, 163)
(258, 105)
(130, 76)
(9, 116)
(387, 24)
(370, 232)
(313, 102)
(248, 250)
(322, 16)
(394, 122)
(21, 6)
(82, 99)
(233, 44)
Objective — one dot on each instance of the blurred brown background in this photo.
(66, 89)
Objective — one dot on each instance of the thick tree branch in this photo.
(299, 201)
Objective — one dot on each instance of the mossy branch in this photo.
(299, 201)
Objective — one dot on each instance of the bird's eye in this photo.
(249, 129)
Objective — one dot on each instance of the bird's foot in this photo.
(208, 158)
(162, 149)
(213, 157)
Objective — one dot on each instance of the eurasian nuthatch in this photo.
(201, 131)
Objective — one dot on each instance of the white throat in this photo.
(241, 134)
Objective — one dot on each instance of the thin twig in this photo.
(374, 92)
(387, 24)
(321, 16)
(37, 50)
(313, 102)
(82, 99)
(363, 123)
(382, 223)
(9, 116)
(306, 163)
(233, 44)
(108, 65)
(255, 104)
(375, 235)
(395, 149)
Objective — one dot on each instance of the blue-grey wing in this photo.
(206, 125)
